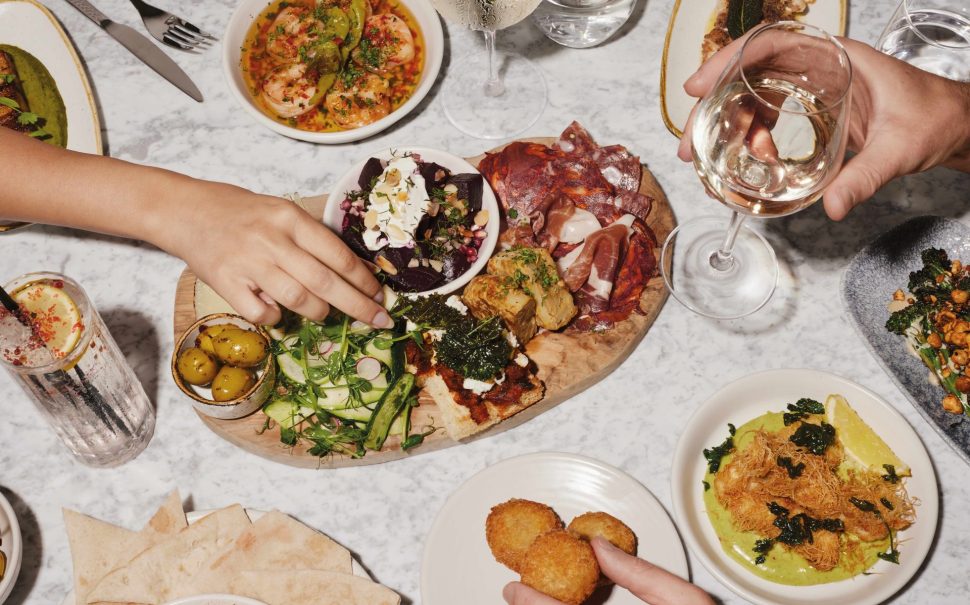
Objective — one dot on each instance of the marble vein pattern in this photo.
(382, 513)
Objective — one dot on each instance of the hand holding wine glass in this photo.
(766, 140)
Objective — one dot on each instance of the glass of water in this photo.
(582, 23)
(70, 366)
(933, 35)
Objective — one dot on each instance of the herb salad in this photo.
(341, 387)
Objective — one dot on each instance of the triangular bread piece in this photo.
(278, 541)
(311, 587)
(169, 519)
(173, 568)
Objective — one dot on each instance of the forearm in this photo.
(44, 184)
(960, 159)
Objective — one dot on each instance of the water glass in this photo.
(933, 35)
(87, 392)
(582, 23)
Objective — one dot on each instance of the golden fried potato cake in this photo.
(562, 566)
(512, 526)
(606, 526)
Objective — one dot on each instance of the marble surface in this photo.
(383, 512)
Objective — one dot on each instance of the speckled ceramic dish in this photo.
(868, 284)
(12, 546)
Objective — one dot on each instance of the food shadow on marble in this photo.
(138, 340)
(937, 192)
(32, 557)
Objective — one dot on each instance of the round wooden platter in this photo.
(569, 362)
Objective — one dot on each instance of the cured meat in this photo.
(522, 177)
(620, 167)
(594, 267)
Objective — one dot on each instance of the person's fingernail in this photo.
(383, 320)
(379, 297)
(604, 544)
(508, 593)
(269, 301)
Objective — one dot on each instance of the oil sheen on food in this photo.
(333, 65)
(782, 565)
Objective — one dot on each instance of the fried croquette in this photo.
(606, 526)
(512, 526)
(562, 566)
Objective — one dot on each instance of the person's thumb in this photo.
(859, 179)
(516, 593)
(646, 581)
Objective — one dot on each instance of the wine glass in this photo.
(497, 95)
(933, 35)
(767, 139)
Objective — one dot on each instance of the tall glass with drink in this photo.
(494, 95)
(766, 140)
(57, 348)
(933, 35)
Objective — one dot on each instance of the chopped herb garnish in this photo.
(706, 485)
(890, 475)
(794, 471)
(714, 454)
(816, 438)
(891, 555)
(801, 409)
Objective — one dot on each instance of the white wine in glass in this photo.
(498, 95)
(766, 141)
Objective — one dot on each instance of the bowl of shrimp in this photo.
(331, 71)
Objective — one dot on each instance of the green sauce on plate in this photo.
(41, 93)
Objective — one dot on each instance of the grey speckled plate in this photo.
(868, 284)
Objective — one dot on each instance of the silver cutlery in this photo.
(171, 29)
(141, 47)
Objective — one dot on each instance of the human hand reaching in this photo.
(646, 581)
(903, 120)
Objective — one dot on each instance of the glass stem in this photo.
(723, 260)
(493, 86)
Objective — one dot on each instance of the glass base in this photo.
(743, 287)
(503, 116)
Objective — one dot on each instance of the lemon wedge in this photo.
(862, 445)
(55, 315)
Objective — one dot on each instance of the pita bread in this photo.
(98, 548)
(278, 541)
(311, 587)
(176, 567)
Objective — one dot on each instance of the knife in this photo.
(141, 47)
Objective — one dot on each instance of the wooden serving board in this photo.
(569, 362)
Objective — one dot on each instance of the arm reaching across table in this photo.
(257, 251)
(904, 120)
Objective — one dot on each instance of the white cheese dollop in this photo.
(400, 200)
(521, 360)
(455, 303)
(478, 386)
(512, 340)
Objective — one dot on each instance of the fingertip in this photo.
(510, 591)
(382, 320)
(837, 204)
(603, 545)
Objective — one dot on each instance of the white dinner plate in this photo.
(752, 396)
(458, 566)
(254, 515)
(690, 21)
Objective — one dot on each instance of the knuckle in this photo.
(344, 260)
(294, 296)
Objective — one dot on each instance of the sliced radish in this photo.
(325, 347)
(368, 368)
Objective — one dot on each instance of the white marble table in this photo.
(631, 420)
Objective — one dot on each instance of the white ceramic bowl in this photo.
(12, 547)
(215, 599)
(333, 216)
(235, 36)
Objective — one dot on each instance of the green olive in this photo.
(231, 382)
(240, 348)
(206, 337)
(196, 367)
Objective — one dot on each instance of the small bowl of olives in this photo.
(223, 364)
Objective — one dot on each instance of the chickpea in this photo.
(960, 357)
(955, 266)
(952, 404)
(963, 384)
(959, 296)
(934, 340)
(958, 338)
(899, 295)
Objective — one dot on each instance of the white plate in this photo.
(31, 27)
(12, 546)
(194, 516)
(689, 22)
(333, 216)
(458, 566)
(235, 36)
(752, 396)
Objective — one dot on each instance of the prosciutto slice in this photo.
(523, 178)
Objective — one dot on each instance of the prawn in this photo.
(358, 103)
(387, 42)
(293, 29)
(287, 90)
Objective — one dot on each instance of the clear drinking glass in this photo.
(582, 23)
(89, 394)
(933, 35)
(767, 139)
(496, 95)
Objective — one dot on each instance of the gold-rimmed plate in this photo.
(32, 28)
(690, 21)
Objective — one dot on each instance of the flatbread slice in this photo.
(169, 519)
(278, 541)
(175, 568)
(462, 420)
(312, 587)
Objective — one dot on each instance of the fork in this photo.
(171, 29)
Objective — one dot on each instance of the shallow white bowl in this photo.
(752, 396)
(13, 547)
(235, 36)
(333, 216)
